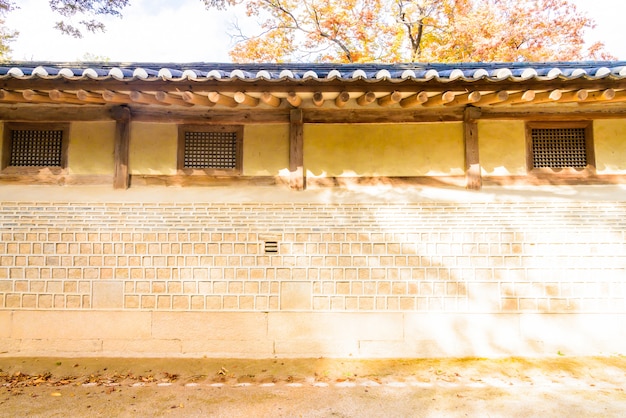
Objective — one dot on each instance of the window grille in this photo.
(215, 150)
(27, 146)
(559, 147)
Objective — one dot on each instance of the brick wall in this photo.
(484, 258)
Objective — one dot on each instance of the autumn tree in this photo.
(413, 30)
(376, 30)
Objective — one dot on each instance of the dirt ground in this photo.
(514, 387)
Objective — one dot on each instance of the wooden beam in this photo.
(294, 99)
(492, 98)
(270, 99)
(196, 99)
(221, 99)
(414, 100)
(470, 138)
(184, 180)
(242, 98)
(54, 113)
(465, 98)
(519, 97)
(170, 99)
(297, 180)
(121, 176)
(215, 116)
(342, 99)
(318, 98)
(390, 99)
(375, 115)
(366, 99)
(440, 99)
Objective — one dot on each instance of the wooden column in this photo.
(121, 114)
(470, 139)
(296, 150)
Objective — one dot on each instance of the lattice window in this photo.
(35, 145)
(210, 150)
(35, 148)
(215, 148)
(560, 147)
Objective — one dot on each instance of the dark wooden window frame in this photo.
(590, 168)
(237, 129)
(10, 127)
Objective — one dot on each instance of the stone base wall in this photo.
(361, 279)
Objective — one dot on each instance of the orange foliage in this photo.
(415, 30)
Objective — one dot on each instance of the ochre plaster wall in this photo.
(610, 146)
(502, 147)
(153, 148)
(384, 150)
(265, 149)
(91, 148)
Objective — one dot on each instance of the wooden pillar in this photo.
(297, 179)
(470, 139)
(121, 178)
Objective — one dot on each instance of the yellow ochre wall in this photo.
(610, 146)
(91, 148)
(265, 149)
(340, 149)
(502, 147)
(391, 150)
(153, 149)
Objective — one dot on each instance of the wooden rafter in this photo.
(318, 98)
(392, 98)
(294, 99)
(171, 99)
(222, 99)
(440, 99)
(414, 100)
(270, 99)
(196, 99)
(245, 99)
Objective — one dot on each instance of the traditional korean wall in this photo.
(377, 272)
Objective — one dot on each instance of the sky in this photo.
(184, 31)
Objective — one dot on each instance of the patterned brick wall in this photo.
(547, 257)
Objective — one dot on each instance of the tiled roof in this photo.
(299, 71)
